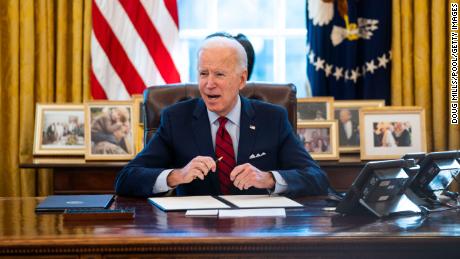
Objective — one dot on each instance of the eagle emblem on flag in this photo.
(349, 48)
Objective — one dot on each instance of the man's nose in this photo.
(210, 82)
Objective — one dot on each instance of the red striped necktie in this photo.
(224, 148)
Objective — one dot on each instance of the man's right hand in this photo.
(198, 167)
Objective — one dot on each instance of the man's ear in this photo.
(243, 79)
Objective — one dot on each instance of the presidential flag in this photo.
(349, 48)
(134, 44)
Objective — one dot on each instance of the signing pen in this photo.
(216, 160)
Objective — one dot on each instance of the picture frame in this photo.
(319, 139)
(315, 108)
(110, 133)
(347, 112)
(391, 132)
(138, 120)
(59, 129)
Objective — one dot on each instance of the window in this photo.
(276, 29)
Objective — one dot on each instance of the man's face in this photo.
(345, 115)
(220, 78)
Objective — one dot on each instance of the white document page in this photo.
(188, 203)
(260, 201)
(201, 213)
(240, 213)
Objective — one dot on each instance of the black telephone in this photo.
(380, 188)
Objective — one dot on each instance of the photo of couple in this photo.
(392, 134)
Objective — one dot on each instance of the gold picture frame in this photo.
(391, 132)
(320, 139)
(138, 120)
(315, 108)
(109, 134)
(349, 142)
(59, 129)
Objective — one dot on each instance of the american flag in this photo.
(134, 44)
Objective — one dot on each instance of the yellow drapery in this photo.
(420, 66)
(44, 57)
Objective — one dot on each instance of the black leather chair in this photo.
(158, 97)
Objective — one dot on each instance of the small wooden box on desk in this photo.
(78, 176)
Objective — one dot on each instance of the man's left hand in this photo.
(246, 175)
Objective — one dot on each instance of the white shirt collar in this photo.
(234, 115)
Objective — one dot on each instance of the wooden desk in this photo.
(75, 175)
(306, 232)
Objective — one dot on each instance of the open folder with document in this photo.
(222, 202)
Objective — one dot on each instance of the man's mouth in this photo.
(213, 97)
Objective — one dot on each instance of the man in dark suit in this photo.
(348, 129)
(259, 150)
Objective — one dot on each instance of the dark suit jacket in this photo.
(403, 140)
(354, 138)
(185, 133)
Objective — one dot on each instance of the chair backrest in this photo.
(158, 97)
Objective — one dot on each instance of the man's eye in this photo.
(203, 73)
(220, 74)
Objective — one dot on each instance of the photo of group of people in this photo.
(392, 134)
(315, 127)
(59, 129)
(111, 131)
(366, 127)
(63, 129)
(315, 140)
(314, 108)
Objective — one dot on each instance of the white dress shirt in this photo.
(348, 127)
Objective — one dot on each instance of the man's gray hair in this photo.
(220, 41)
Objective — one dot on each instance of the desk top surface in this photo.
(19, 222)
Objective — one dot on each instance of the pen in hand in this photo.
(216, 160)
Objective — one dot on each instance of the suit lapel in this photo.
(203, 139)
(247, 131)
(202, 130)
